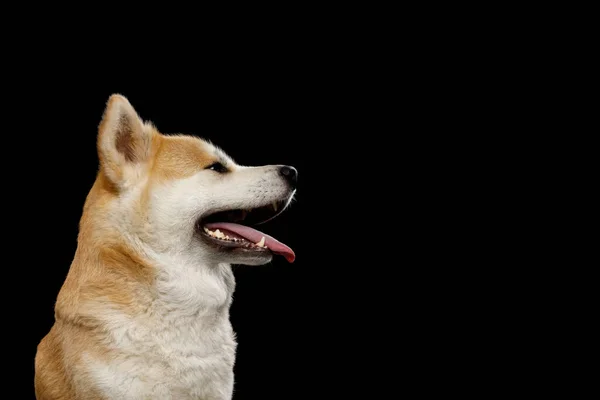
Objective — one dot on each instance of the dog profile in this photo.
(144, 310)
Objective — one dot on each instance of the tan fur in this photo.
(104, 272)
(180, 157)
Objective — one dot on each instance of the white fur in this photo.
(183, 345)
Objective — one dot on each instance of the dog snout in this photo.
(290, 174)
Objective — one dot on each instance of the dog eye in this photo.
(218, 167)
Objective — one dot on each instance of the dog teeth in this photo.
(220, 235)
(275, 206)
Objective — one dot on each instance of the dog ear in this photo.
(124, 142)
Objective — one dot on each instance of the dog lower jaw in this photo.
(242, 256)
(235, 252)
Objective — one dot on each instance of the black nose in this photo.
(290, 174)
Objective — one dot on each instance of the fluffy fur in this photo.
(144, 310)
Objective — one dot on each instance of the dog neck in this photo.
(187, 282)
(193, 288)
(172, 286)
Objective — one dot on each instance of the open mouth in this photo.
(225, 229)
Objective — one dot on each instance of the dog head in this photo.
(180, 194)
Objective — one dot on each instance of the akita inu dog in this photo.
(144, 310)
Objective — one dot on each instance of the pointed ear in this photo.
(124, 143)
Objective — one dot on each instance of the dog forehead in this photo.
(180, 156)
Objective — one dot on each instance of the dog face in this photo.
(177, 194)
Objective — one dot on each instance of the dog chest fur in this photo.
(181, 347)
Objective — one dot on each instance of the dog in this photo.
(144, 310)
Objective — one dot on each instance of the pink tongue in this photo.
(255, 236)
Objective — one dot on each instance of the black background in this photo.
(288, 317)
(382, 132)
(383, 297)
